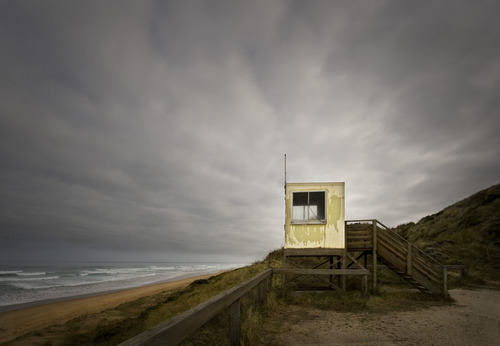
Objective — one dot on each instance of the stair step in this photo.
(403, 274)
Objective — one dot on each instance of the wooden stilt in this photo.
(344, 266)
(331, 267)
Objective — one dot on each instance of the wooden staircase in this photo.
(371, 237)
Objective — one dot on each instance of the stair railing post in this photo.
(364, 285)
(445, 282)
(408, 260)
(374, 257)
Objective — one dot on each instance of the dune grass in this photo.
(467, 232)
(112, 326)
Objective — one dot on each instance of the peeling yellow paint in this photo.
(317, 235)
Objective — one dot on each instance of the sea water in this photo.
(37, 284)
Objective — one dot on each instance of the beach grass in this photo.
(115, 325)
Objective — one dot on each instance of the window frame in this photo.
(308, 220)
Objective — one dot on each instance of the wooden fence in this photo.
(174, 330)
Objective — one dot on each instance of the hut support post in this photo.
(331, 267)
(283, 276)
(344, 266)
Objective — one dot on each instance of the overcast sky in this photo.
(143, 130)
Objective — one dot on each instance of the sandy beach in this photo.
(21, 321)
(474, 319)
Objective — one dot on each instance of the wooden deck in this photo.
(368, 239)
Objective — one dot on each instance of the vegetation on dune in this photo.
(112, 326)
(467, 232)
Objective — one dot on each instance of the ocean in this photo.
(31, 285)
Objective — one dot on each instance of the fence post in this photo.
(374, 257)
(260, 293)
(235, 323)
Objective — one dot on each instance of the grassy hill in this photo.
(467, 232)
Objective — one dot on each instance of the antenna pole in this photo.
(285, 170)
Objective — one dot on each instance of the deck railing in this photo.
(174, 330)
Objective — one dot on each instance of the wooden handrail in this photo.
(302, 271)
(413, 258)
(174, 330)
(406, 241)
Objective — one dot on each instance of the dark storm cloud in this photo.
(155, 130)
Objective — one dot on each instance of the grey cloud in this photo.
(156, 130)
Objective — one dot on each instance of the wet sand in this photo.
(21, 321)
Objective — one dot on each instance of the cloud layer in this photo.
(156, 130)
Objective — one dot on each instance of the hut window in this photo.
(308, 206)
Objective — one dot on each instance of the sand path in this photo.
(19, 322)
(473, 320)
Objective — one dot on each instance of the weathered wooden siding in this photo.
(310, 235)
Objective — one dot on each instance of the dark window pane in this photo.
(317, 205)
(299, 198)
(299, 209)
(308, 206)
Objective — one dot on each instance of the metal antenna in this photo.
(285, 170)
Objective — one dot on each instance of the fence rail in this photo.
(174, 330)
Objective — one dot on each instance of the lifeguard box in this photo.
(322, 247)
(315, 237)
(315, 216)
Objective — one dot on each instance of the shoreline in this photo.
(25, 319)
(7, 308)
